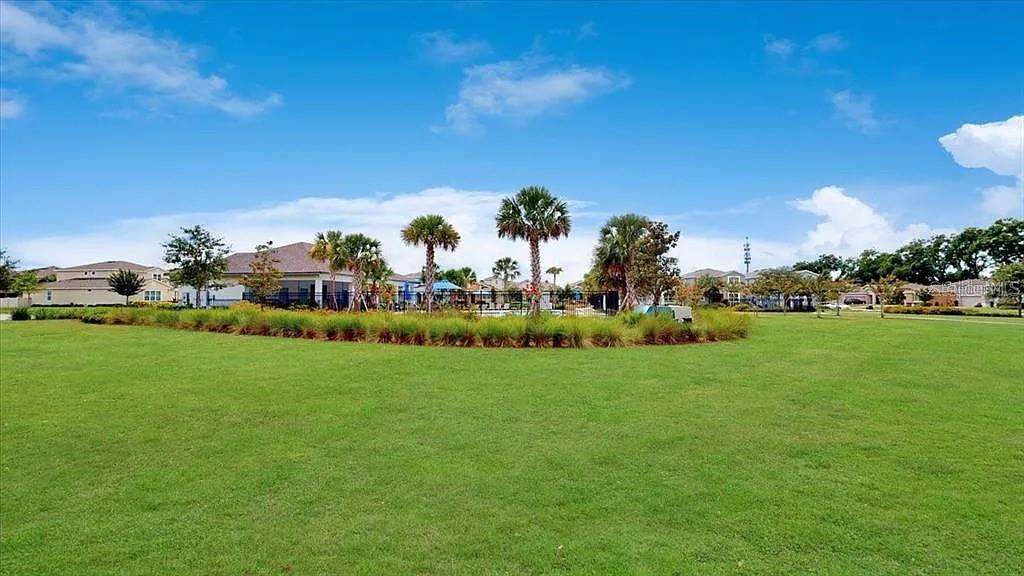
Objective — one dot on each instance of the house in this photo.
(305, 280)
(971, 293)
(87, 285)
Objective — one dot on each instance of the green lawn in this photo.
(816, 446)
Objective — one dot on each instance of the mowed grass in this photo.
(844, 445)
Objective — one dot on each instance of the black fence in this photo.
(485, 302)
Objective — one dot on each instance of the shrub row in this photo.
(948, 311)
(418, 329)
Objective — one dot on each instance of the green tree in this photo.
(925, 295)
(710, 288)
(198, 258)
(264, 278)
(431, 231)
(126, 283)
(781, 282)
(536, 216)
(1004, 241)
(657, 272)
(888, 290)
(360, 252)
(965, 254)
(619, 244)
(827, 264)
(329, 249)
(8, 268)
(25, 283)
(554, 271)
(461, 276)
(1008, 285)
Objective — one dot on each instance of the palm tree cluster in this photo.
(357, 253)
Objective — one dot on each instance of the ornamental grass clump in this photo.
(607, 335)
(494, 333)
(718, 325)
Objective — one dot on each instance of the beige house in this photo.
(86, 285)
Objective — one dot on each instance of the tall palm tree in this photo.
(617, 245)
(360, 252)
(377, 277)
(554, 271)
(328, 248)
(536, 216)
(506, 268)
(431, 231)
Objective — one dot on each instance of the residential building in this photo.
(87, 285)
(305, 280)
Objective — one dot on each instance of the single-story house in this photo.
(305, 280)
(87, 285)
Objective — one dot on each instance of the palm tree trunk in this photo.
(334, 293)
(357, 289)
(125, 299)
(535, 273)
(428, 290)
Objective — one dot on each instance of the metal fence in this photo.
(484, 302)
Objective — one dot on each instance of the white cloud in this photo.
(94, 44)
(997, 146)
(12, 104)
(857, 110)
(442, 47)
(850, 225)
(524, 88)
(828, 43)
(587, 30)
(780, 47)
(472, 213)
(1003, 201)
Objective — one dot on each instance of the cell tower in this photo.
(746, 253)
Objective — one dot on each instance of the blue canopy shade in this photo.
(446, 285)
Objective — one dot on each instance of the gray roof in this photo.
(85, 284)
(293, 259)
(714, 273)
(109, 265)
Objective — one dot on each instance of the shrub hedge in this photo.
(420, 329)
(948, 311)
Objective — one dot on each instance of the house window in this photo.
(49, 295)
(151, 296)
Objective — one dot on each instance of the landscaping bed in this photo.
(420, 329)
(950, 311)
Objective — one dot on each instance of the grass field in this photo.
(844, 445)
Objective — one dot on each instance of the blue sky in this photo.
(809, 128)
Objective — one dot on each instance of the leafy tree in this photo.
(919, 261)
(827, 264)
(25, 283)
(360, 252)
(264, 278)
(126, 283)
(329, 249)
(198, 257)
(782, 282)
(871, 265)
(1004, 241)
(656, 271)
(889, 290)
(8, 268)
(925, 295)
(1008, 285)
(710, 288)
(431, 231)
(554, 271)
(461, 276)
(506, 268)
(965, 255)
(536, 216)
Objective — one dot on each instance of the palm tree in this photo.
(506, 268)
(554, 271)
(378, 275)
(431, 231)
(126, 283)
(360, 252)
(617, 245)
(328, 248)
(536, 216)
